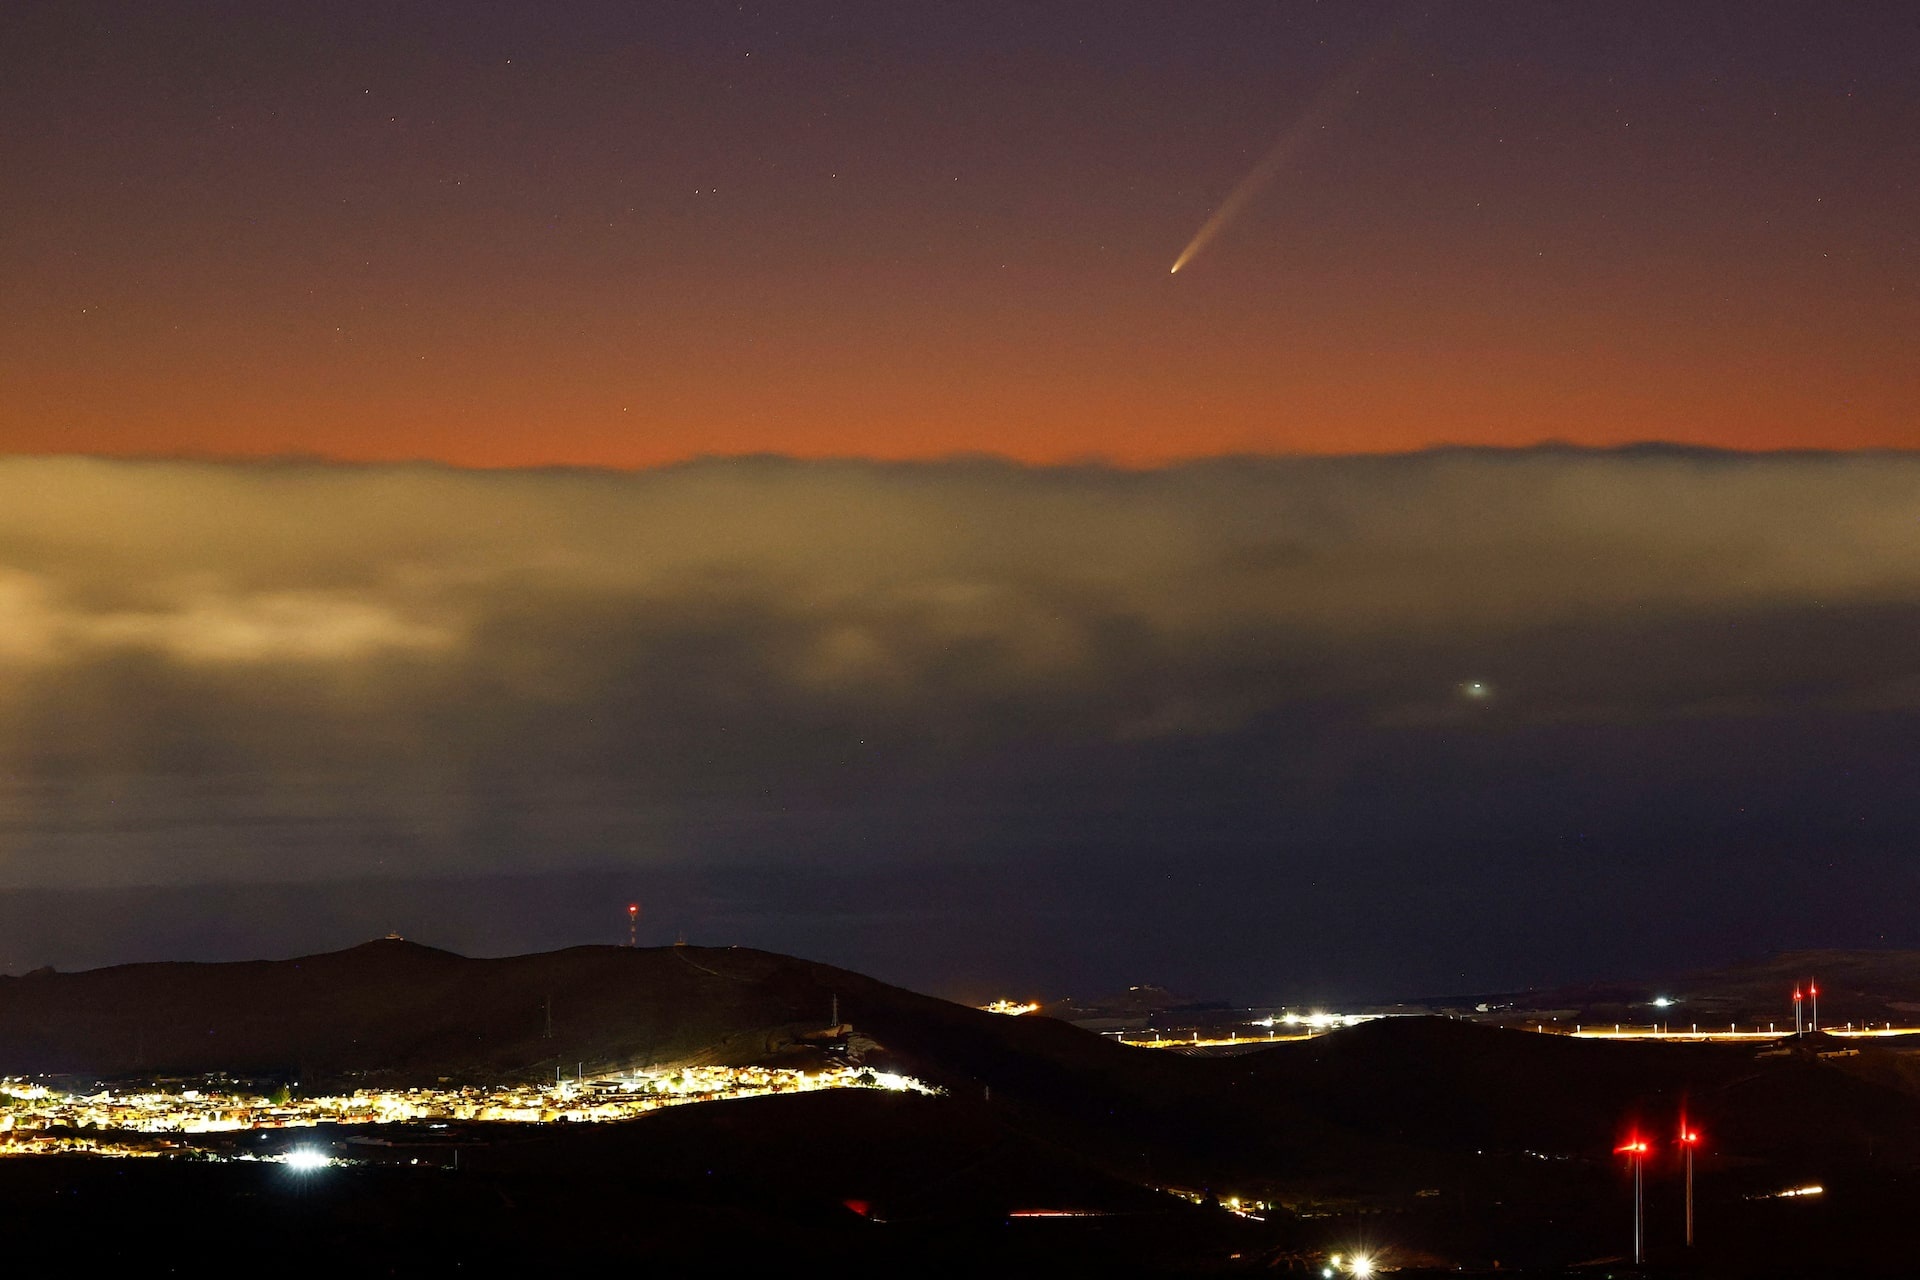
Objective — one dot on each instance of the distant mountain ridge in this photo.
(392, 1011)
(412, 1014)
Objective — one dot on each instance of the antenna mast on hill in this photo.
(633, 924)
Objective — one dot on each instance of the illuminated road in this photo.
(1617, 1032)
(1232, 1041)
(1732, 1034)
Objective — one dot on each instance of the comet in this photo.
(1253, 184)
(1321, 111)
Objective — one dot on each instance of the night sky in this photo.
(466, 465)
(502, 234)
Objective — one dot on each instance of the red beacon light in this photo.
(1633, 1147)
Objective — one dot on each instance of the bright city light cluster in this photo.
(1244, 1206)
(1320, 1021)
(306, 1160)
(36, 1118)
(1013, 1008)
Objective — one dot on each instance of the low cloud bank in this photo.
(295, 671)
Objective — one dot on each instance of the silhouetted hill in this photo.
(399, 1012)
(413, 1014)
(1468, 1137)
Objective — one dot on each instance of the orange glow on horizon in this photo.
(904, 367)
(1099, 428)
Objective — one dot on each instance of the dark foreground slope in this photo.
(1441, 1084)
(797, 1185)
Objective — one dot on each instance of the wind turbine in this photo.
(1635, 1149)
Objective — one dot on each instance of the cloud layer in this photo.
(299, 671)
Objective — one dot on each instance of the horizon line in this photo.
(1653, 447)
